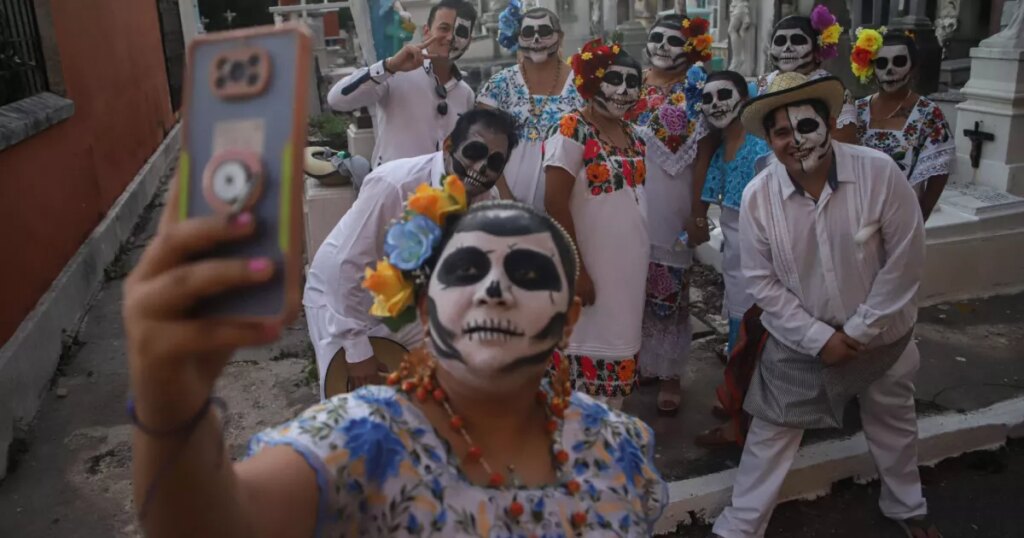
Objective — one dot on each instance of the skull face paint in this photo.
(720, 103)
(497, 306)
(619, 91)
(791, 50)
(539, 37)
(892, 67)
(665, 48)
(478, 160)
(461, 37)
(811, 140)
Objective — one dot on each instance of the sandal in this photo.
(919, 527)
(714, 438)
(668, 399)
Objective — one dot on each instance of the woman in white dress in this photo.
(537, 91)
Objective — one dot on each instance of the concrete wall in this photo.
(56, 186)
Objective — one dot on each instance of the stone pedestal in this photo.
(634, 38)
(995, 98)
(323, 207)
(360, 142)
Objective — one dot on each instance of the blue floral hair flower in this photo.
(411, 243)
(508, 25)
(695, 78)
(752, 90)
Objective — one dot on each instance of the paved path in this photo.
(71, 475)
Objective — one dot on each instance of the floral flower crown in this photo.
(698, 40)
(696, 76)
(590, 64)
(865, 50)
(508, 25)
(411, 242)
(827, 26)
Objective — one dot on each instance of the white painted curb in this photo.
(817, 467)
(29, 359)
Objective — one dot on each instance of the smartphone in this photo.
(243, 136)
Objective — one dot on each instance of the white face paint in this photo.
(461, 36)
(720, 103)
(479, 160)
(665, 48)
(538, 38)
(619, 91)
(892, 67)
(497, 306)
(791, 50)
(811, 139)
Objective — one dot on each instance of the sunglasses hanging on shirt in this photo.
(441, 92)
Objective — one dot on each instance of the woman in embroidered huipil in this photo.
(595, 170)
(801, 44)
(732, 166)
(537, 91)
(897, 121)
(668, 118)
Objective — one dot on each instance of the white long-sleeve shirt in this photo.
(407, 121)
(335, 276)
(806, 270)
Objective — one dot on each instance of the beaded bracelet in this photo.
(183, 430)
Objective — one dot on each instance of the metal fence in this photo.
(22, 68)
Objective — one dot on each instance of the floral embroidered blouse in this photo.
(667, 127)
(534, 115)
(609, 210)
(725, 181)
(383, 470)
(924, 148)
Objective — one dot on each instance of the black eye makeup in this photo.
(475, 151)
(465, 266)
(632, 81)
(543, 30)
(725, 94)
(614, 78)
(807, 125)
(707, 98)
(462, 31)
(532, 271)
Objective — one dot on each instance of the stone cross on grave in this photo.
(977, 138)
(230, 16)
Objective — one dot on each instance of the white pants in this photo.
(890, 427)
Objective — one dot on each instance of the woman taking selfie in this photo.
(467, 439)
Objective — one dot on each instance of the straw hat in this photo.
(789, 88)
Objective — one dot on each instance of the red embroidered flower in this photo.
(627, 369)
(589, 370)
(627, 173)
(656, 100)
(595, 190)
(608, 188)
(591, 149)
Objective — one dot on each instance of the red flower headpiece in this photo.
(698, 41)
(590, 64)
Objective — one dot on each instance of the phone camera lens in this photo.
(254, 60)
(237, 72)
(221, 63)
(253, 79)
(220, 82)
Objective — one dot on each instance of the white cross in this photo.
(230, 16)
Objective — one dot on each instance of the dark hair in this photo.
(768, 122)
(737, 79)
(797, 22)
(672, 20)
(537, 13)
(896, 38)
(462, 9)
(625, 60)
(495, 119)
(506, 218)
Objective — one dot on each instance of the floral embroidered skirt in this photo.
(666, 325)
(606, 377)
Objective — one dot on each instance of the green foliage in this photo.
(331, 128)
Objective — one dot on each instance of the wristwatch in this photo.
(701, 222)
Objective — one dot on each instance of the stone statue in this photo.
(947, 21)
(596, 17)
(741, 37)
(1012, 37)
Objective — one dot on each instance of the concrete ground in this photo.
(70, 476)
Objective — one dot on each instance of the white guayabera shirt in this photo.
(804, 266)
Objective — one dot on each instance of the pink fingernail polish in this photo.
(258, 265)
(242, 220)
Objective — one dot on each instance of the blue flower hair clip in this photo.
(508, 25)
(752, 90)
(695, 78)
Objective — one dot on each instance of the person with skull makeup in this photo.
(795, 48)
(537, 91)
(833, 250)
(673, 130)
(336, 304)
(418, 93)
(384, 461)
(595, 172)
(908, 127)
(732, 167)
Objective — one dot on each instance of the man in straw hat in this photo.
(833, 246)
